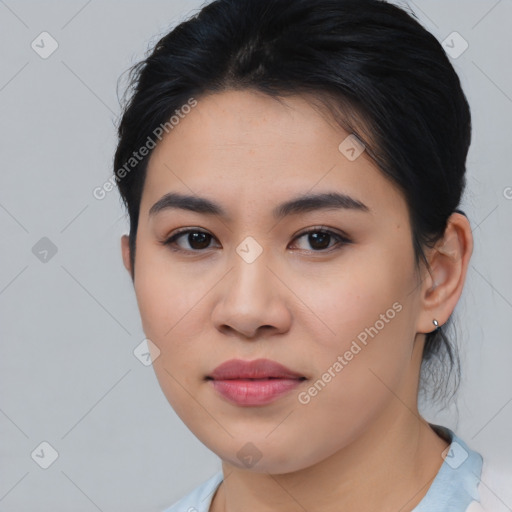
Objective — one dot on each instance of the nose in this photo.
(252, 301)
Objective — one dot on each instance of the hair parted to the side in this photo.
(368, 63)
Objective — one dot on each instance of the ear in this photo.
(125, 249)
(444, 281)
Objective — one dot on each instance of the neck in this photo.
(388, 467)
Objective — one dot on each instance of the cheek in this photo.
(165, 295)
(361, 332)
(168, 305)
(362, 296)
(172, 301)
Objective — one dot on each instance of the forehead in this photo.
(248, 147)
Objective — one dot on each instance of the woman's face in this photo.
(342, 313)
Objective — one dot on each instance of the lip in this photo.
(256, 382)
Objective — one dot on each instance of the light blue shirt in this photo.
(452, 490)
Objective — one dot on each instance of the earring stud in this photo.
(436, 323)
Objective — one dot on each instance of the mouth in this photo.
(253, 383)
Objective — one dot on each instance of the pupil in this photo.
(201, 238)
(314, 237)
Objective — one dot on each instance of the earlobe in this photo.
(449, 261)
(125, 250)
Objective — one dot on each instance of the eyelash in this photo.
(341, 240)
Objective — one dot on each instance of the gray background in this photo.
(68, 326)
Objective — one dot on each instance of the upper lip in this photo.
(255, 369)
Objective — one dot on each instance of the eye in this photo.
(320, 239)
(197, 240)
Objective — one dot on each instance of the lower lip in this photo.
(254, 392)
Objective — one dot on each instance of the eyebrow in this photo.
(301, 204)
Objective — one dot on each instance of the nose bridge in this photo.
(251, 279)
(250, 295)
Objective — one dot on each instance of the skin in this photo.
(360, 443)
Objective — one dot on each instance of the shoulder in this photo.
(494, 488)
(200, 498)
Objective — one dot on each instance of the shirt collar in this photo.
(456, 484)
